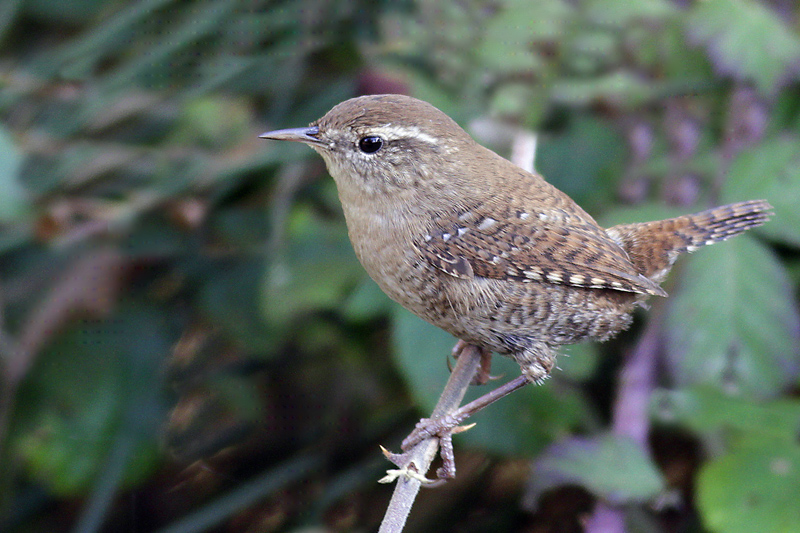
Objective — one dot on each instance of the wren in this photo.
(483, 249)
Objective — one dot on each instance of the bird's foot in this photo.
(443, 429)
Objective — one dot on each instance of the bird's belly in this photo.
(506, 316)
(511, 315)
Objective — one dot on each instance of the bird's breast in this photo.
(384, 242)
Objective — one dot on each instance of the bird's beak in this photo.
(303, 135)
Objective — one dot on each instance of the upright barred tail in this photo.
(653, 247)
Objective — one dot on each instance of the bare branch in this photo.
(419, 458)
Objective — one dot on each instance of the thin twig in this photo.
(421, 455)
(523, 150)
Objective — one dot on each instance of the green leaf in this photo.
(745, 39)
(212, 122)
(583, 161)
(646, 211)
(420, 351)
(734, 323)
(509, 35)
(621, 88)
(622, 13)
(705, 409)
(527, 421)
(367, 301)
(684, 65)
(771, 171)
(95, 385)
(612, 467)
(591, 52)
(755, 488)
(577, 362)
(546, 20)
(512, 99)
(316, 272)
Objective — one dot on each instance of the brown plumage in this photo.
(489, 252)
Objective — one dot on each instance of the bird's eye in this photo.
(370, 144)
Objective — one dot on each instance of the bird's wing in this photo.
(546, 247)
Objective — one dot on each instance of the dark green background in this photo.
(187, 342)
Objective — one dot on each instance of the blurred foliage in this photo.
(187, 341)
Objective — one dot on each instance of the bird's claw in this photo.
(441, 428)
(407, 470)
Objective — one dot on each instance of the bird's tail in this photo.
(653, 247)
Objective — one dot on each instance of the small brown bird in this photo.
(491, 253)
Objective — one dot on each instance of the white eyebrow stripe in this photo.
(392, 132)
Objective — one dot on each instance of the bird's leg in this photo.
(446, 426)
(484, 373)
